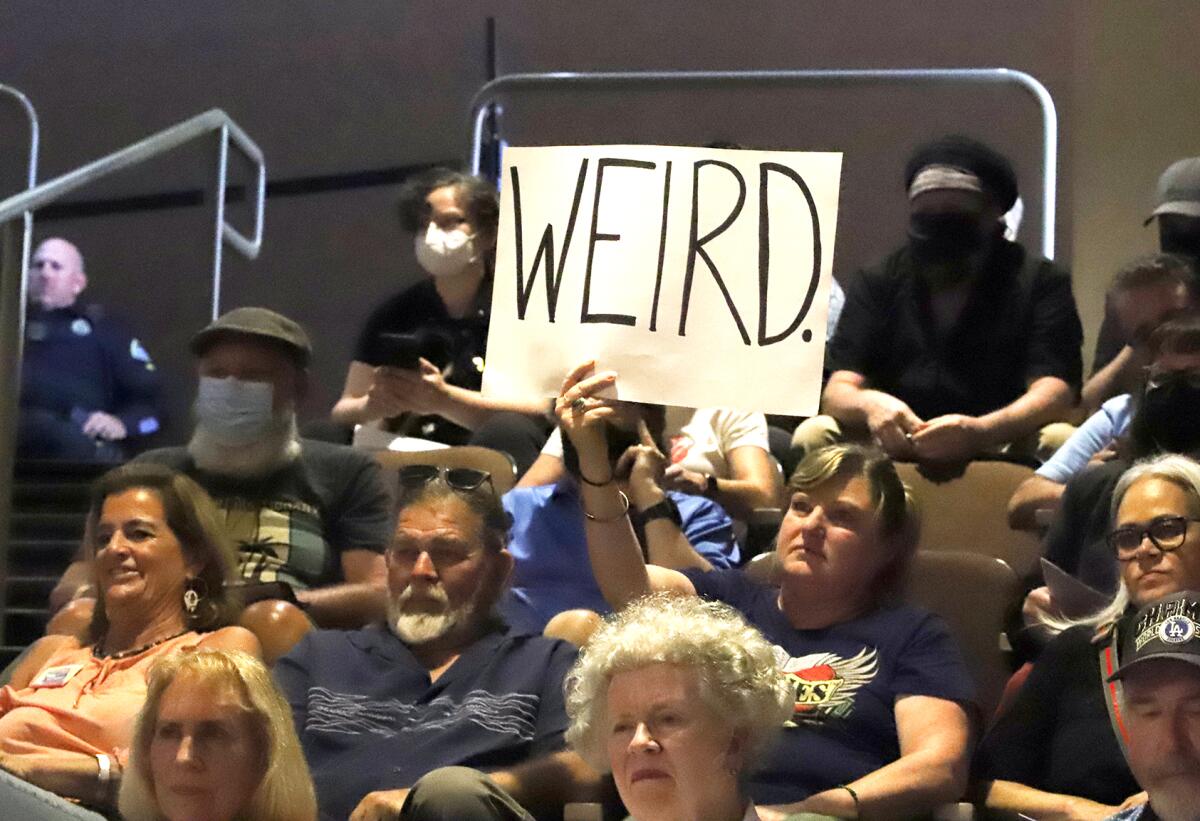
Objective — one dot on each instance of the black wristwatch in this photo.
(666, 509)
(710, 486)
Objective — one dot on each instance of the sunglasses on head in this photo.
(463, 479)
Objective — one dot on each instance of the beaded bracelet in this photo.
(613, 518)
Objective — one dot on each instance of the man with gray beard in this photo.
(403, 719)
(1159, 683)
(310, 519)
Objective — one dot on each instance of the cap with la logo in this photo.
(1169, 628)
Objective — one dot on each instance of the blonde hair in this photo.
(1170, 467)
(896, 511)
(739, 676)
(285, 792)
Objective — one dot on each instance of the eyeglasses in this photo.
(461, 479)
(1165, 532)
(1159, 378)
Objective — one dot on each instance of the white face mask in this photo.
(232, 411)
(444, 253)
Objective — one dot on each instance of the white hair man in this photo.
(392, 715)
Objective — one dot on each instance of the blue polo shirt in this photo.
(553, 572)
(370, 719)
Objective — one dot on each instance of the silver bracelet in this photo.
(105, 769)
(613, 518)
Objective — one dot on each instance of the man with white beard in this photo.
(310, 519)
(391, 716)
(1159, 674)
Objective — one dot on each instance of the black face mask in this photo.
(1182, 242)
(1168, 419)
(939, 239)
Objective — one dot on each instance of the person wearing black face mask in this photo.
(1166, 420)
(960, 342)
(1177, 212)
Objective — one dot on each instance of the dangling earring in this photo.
(194, 590)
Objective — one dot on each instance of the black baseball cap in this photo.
(1167, 629)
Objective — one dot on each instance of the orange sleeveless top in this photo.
(80, 703)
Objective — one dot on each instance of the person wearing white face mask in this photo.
(310, 519)
(418, 362)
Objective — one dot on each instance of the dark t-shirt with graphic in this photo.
(847, 679)
(293, 525)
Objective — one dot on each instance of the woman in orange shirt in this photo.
(160, 564)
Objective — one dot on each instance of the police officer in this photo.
(89, 390)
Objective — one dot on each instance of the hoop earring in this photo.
(195, 589)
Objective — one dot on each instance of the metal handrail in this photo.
(14, 268)
(160, 143)
(12, 313)
(31, 177)
(519, 82)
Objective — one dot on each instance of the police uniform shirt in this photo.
(75, 364)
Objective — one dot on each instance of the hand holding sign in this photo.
(699, 273)
(581, 416)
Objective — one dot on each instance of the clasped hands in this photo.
(902, 434)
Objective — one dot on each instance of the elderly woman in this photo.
(215, 741)
(678, 698)
(418, 362)
(881, 725)
(66, 718)
(1055, 753)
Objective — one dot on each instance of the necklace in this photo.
(132, 651)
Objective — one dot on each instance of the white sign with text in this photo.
(701, 276)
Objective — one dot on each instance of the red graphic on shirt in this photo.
(681, 445)
(826, 684)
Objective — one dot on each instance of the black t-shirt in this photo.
(293, 525)
(1077, 539)
(847, 679)
(420, 309)
(1057, 736)
(1019, 323)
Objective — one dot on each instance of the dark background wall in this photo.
(344, 88)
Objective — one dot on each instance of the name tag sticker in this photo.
(56, 676)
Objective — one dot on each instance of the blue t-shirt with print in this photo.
(847, 678)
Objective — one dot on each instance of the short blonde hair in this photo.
(286, 790)
(739, 675)
(896, 511)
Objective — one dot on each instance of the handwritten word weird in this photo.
(553, 265)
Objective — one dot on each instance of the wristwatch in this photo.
(666, 509)
(710, 486)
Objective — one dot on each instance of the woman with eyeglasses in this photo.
(1057, 752)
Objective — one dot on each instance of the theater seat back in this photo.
(974, 594)
(968, 512)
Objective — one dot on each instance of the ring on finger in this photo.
(578, 404)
